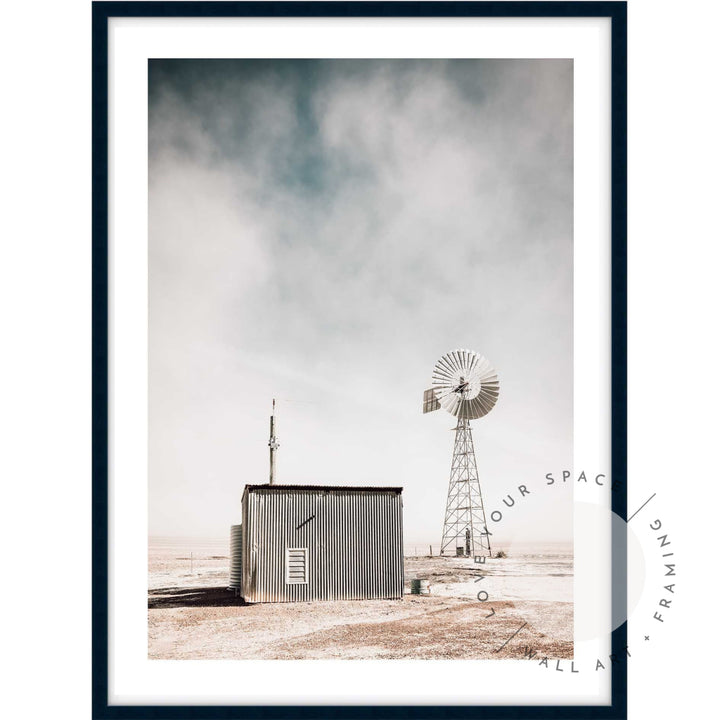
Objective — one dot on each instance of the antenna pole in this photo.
(273, 444)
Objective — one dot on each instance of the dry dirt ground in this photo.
(191, 615)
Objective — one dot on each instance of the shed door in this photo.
(296, 566)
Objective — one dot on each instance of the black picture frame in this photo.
(102, 12)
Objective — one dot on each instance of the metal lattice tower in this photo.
(465, 524)
(466, 385)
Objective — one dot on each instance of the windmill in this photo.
(467, 386)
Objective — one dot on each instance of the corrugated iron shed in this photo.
(321, 542)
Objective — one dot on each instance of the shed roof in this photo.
(325, 488)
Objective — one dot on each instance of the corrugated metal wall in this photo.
(353, 538)
(235, 557)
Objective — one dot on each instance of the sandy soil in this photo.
(191, 615)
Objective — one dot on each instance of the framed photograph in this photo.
(359, 351)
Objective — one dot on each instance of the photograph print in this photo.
(360, 359)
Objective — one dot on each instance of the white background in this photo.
(45, 373)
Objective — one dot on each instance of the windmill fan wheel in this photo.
(465, 384)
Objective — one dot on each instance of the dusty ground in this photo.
(191, 615)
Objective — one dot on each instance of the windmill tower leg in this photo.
(465, 523)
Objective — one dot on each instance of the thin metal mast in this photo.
(465, 524)
(273, 444)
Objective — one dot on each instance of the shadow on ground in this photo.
(175, 597)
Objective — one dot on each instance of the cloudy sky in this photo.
(322, 232)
